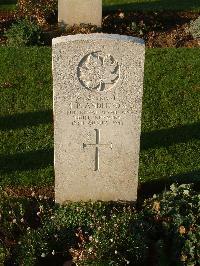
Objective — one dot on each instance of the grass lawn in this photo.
(170, 141)
(142, 5)
(7, 7)
(152, 5)
(8, 4)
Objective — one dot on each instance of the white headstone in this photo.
(72, 12)
(98, 85)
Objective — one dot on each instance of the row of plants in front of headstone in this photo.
(164, 231)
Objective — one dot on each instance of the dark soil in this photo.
(6, 20)
(158, 29)
(47, 191)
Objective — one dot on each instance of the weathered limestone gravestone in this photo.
(98, 85)
(72, 12)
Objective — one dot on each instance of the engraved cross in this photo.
(97, 148)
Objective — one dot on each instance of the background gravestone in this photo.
(98, 85)
(72, 12)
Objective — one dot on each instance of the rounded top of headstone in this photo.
(97, 36)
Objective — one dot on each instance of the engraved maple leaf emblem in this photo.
(98, 72)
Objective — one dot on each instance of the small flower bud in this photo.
(182, 230)
(53, 252)
(121, 15)
(156, 206)
(183, 258)
(90, 250)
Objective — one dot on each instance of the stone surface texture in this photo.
(98, 87)
(72, 12)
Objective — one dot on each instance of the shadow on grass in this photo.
(43, 158)
(159, 5)
(157, 138)
(26, 161)
(170, 136)
(26, 119)
(8, 2)
(156, 186)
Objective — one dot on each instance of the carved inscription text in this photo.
(97, 111)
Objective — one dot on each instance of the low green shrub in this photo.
(88, 233)
(138, 28)
(23, 33)
(177, 212)
(3, 254)
(165, 231)
(17, 217)
(195, 28)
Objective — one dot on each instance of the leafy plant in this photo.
(23, 33)
(177, 213)
(167, 228)
(88, 232)
(17, 217)
(195, 28)
(138, 28)
(3, 254)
